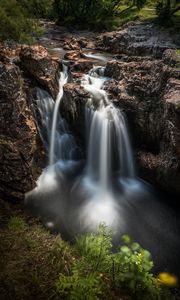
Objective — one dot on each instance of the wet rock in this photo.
(82, 65)
(36, 61)
(73, 107)
(139, 39)
(150, 96)
(18, 136)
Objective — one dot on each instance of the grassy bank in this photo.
(35, 264)
(31, 258)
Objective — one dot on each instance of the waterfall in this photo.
(109, 155)
(62, 80)
(74, 196)
(108, 134)
(53, 129)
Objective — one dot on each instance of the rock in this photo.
(171, 58)
(140, 39)
(150, 96)
(144, 77)
(82, 65)
(73, 107)
(36, 61)
(73, 55)
(18, 136)
(74, 44)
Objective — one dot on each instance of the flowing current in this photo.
(75, 195)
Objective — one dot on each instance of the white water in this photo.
(62, 80)
(95, 56)
(108, 135)
(106, 189)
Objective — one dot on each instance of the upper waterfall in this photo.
(108, 134)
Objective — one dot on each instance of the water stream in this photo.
(75, 196)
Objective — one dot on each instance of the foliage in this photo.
(139, 3)
(37, 8)
(98, 271)
(165, 11)
(89, 13)
(15, 24)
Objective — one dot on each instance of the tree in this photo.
(37, 8)
(166, 9)
(87, 12)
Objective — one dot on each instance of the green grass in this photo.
(16, 223)
(125, 15)
(147, 13)
(31, 258)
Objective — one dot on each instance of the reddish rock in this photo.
(150, 96)
(18, 136)
(82, 65)
(36, 61)
(73, 55)
(73, 107)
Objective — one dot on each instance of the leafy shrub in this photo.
(97, 271)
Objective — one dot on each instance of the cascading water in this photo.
(71, 197)
(108, 134)
(108, 146)
(53, 129)
(62, 80)
(63, 153)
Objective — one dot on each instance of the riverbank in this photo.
(33, 262)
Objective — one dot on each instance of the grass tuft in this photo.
(16, 222)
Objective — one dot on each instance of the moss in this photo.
(178, 52)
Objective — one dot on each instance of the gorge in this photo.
(78, 147)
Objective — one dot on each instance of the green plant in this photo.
(132, 269)
(16, 223)
(97, 270)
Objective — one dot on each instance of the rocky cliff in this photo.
(21, 69)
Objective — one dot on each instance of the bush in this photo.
(37, 8)
(98, 272)
(15, 24)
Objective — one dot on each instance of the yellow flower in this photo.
(101, 275)
(167, 279)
